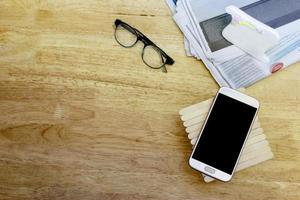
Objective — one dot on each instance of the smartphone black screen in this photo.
(224, 133)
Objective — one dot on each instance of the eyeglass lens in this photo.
(125, 35)
(152, 57)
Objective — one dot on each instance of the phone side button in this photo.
(210, 170)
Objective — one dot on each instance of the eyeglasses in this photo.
(153, 56)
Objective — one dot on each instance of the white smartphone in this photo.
(224, 134)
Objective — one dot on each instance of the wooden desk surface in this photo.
(83, 118)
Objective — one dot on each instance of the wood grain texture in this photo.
(83, 118)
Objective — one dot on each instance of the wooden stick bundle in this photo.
(256, 149)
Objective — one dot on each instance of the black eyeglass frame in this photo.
(147, 42)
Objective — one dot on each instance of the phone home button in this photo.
(210, 170)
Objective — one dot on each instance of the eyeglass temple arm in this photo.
(164, 69)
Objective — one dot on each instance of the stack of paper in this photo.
(202, 23)
(256, 149)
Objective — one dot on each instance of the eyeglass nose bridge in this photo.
(145, 40)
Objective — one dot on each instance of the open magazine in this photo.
(202, 22)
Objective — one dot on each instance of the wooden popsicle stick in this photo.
(194, 114)
(261, 157)
(255, 146)
(258, 159)
(199, 119)
(197, 106)
(253, 154)
(194, 127)
(196, 120)
(195, 133)
(207, 179)
(248, 163)
(256, 139)
(200, 115)
(193, 141)
(251, 140)
(250, 160)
